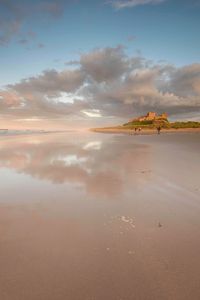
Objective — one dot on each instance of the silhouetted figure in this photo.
(131, 131)
(158, 129)
(139, 129)
(135, 130)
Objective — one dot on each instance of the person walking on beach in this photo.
(131, 131)
(139, 129)
(135, 130)
(158, 129)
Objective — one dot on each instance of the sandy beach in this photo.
(143, 131)
(99, 150)
(95, 216)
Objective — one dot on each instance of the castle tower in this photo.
(151, 115)
(163, 116)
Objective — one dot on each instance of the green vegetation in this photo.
(188, 124)
(152, 121)
(139, 123)
(162, 123)
(147, 124)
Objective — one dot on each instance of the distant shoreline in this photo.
(10, 132)
(144, 131)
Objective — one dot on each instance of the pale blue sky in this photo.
(168, 31)
(131, 56)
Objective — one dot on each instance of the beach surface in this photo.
(143, 131)
(86, 216)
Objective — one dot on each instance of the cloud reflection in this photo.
(102, 167)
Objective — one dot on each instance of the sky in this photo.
(89, 63)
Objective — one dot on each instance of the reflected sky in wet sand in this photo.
(96, 216)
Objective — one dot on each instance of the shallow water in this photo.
(100, 217)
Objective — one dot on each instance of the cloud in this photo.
(120, 4)
(27, 38)
(14, 14)
(10, 99)
(93, 113)
(50, 83)
(186, 81)
(102, 173)
(105, 83)
(53, 8)
(72, 63)
(41, 45)
(104, 65)
(8, 30)
(23, 41)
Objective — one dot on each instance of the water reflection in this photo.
(104, 165)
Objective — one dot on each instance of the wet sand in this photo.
(95, 216)
(144, 131)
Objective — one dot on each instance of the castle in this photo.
(151, 116)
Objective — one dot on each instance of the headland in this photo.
(151, 123)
